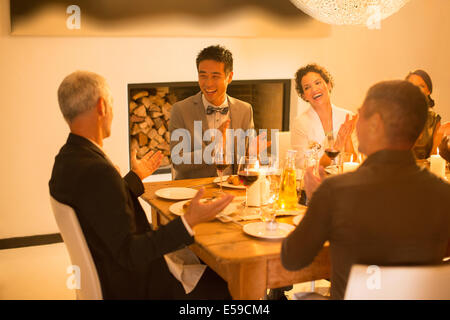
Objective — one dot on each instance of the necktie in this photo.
(212, 109)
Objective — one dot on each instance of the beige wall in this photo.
(32, 130)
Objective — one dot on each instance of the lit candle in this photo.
(350, 166)
(437, 165)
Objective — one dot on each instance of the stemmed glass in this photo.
(221, 162)
(330, 149)
(269, 209)
(248, 172)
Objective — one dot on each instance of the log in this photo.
(159, 139)
(143, 125)
(143, 139)
(135, 118)
(146, 102)
(153, 134)
(142, 151)
(133, 105)
(158, 101)
(140, 111)
(156, 114)
(135, 130)
(162, 130)
(171, 98)
(162, 91)
(166, 108)
(149, 122)
(140, 95)
(164, 146)
(158, 123)
(167, 136)
(154, 108)
(153, 144)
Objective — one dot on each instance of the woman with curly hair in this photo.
(322, 120)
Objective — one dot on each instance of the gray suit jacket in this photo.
(191, 109)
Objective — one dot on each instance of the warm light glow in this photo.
(350, 12)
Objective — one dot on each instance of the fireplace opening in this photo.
(150, 105)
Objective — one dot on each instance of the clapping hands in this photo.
(345, 132)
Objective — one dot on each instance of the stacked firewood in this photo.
(149, 122)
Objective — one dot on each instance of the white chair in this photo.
(79, 253)
(399, 283)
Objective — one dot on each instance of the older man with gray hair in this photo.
(128, 254)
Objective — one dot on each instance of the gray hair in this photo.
(79, 92)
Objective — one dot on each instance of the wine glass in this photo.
(269, 207)
(221, 162)
(248, 172)
(330, 149)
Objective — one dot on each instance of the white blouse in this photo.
(307, 128)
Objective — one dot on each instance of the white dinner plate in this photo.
(176, 193)
(258, 229)
(177, 208)
(226, 184)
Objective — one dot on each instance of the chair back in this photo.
(399, 283)
(89, 287)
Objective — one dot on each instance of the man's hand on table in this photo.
(199, 212)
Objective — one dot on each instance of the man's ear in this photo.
(230, 77)
(376, 124)
(101, 107)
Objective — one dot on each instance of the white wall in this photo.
(32, 130)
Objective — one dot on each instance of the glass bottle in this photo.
(287, 197)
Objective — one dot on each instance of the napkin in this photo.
(185, 267)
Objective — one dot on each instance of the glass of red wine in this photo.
(330, 149)
(248, 172)
(221, 162)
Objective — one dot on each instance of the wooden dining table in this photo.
(250, 265)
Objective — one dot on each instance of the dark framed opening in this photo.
(151, 103)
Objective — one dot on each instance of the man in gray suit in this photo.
(211, 108)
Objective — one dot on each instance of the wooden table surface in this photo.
(249, 265)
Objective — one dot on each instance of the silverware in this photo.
(225, 219)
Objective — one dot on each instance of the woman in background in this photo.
(322, 119)
(429, 139)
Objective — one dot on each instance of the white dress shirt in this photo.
(307, 128)
(215, 119)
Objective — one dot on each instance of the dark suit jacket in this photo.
(191, 109)
(388, 212)
(127, 253)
